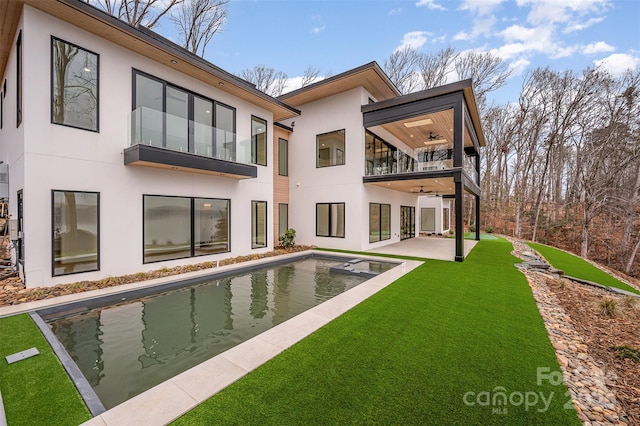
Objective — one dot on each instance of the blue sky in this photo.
(335, 36)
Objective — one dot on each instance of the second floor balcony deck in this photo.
(161, 140)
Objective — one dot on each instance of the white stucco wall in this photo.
(438, 203)
(336, 184)
(64, 158)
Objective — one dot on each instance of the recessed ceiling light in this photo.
(416, 123)
(173, 61)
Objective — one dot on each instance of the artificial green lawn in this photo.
(410, 354)
(575, 266)
(35, 391)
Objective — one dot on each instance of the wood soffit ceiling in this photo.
(415, 137)
(431, 186)
(369, 76)
(145, 43)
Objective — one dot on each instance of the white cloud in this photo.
(518, 66)
(518, 33)
(317, 30)
(414, 40)
(556, 11)
(480, 7)
(618, 63)
(431, 4)
(579, 26)
(599, 47)
(397, 11)
(462, 35)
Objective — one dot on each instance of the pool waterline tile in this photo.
(174, 397)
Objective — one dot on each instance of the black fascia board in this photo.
(158, 155)
(174, 49)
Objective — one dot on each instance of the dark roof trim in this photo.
(283, 126)
(418, 96)
(373, 65)
(174, 49)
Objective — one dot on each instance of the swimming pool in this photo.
(129, 346)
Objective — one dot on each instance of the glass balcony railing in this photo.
(470, 167)
(396, 161)
(156, 128)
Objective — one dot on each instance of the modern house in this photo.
(125, 153)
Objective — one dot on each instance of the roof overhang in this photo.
(370, 76)
(141, 41)
(411, 108)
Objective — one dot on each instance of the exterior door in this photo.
(407, 222)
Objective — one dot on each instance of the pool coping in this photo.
(172, 398)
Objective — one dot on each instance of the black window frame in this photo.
(191, 95)
(254, 141)
(254, 209)
(283, 152)
(192, 227)
(19, 80)
(330, 221)
(280, 229)
(51, 70)
(53, 231)
(344, 147)
(380, 234)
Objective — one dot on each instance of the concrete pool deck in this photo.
(174, 397)
(427, 247)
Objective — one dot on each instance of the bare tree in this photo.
(136, 12)
(266, 79)
(402, 69)
(435, 67)
(488, 71)
(198, 21)
(311, 74)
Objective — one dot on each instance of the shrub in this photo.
(630, 301)
(608, 307)
(288, 239)
(488, 230)
(627, 352)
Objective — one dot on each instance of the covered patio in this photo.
(428, 143)
(426, 247)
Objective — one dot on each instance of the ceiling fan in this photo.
(433, 137)
(422, 191)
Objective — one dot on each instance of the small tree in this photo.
(288, 239)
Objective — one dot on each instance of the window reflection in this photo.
(74, 86)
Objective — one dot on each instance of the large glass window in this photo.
(258, 141)
(211, 226)
(379, 222)
(179, 227)
(175, 118)
(74, 86)
(225, 123)
(75, 228)
(283, 157)
(428, 219)
(167, 228)
(283, 219)
(330, 149)
(258, 224)
(330, 220)
(445, 218)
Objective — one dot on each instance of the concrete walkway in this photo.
(426, 247)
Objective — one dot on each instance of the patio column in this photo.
(459, 188)
(477, 165)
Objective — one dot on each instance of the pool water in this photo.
(127, 348)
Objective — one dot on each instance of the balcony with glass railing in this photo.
(161, 140)
(389, 160)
